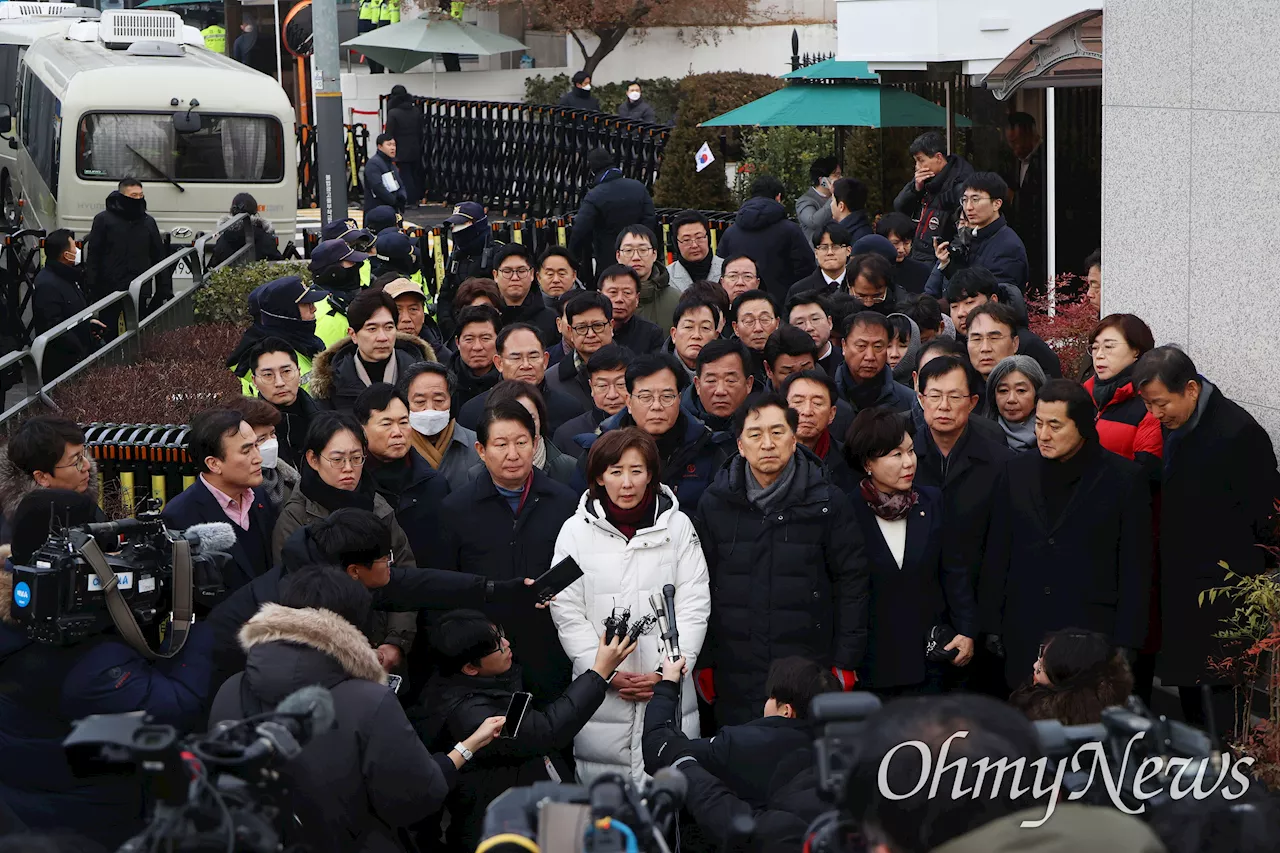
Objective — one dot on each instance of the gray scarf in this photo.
(388, 376)
(767, 498)
(1021, 436)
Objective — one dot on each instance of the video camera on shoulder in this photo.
(61, 598)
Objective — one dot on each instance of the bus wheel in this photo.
(8, 203)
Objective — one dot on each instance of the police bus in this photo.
(136, 94)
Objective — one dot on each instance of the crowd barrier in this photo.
(137, 462)
(357, 139)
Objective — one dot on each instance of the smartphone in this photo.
(393, 681)
(515, 714)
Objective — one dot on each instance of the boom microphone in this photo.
(311, 709)
(673, 644)
(211, 536)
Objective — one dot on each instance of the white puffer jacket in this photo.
(618, 573)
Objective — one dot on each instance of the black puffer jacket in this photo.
(360, 782)
(265, 242)
(792, 583)
(404, 123)
(762, 232)
(124, 242)
(458, 704)
(613, 203)
(933, 208)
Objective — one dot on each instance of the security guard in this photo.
(215, 37)
(369, 20)
(390, 13)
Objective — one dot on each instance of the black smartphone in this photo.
(515, 714)
(393, 681)
(556, 579)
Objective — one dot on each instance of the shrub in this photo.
(225, 299)
(705, 96)
(785, 152)
(1067, 332)
(663, 93)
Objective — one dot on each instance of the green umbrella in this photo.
(839, 105)
(410, 43)
(834, 69)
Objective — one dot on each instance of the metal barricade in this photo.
(357, 144)
(137, 462)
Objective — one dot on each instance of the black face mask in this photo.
(341, 278)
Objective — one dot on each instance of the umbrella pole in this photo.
(951, 115)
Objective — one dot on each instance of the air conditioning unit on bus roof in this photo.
(14, 9)
(138, 31)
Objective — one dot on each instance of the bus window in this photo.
(40, 126)
(9, 75)
(233, 148)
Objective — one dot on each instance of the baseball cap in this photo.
(333, 252)
(878, 245)
(401, 286)
(466, 213)
(337, 228)
(281, 295)
(381, 217)
(394, 244)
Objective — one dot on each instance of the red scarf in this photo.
(892, 507)
(628, 521)
(823, 447)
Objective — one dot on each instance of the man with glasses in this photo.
(966, 466)
(278, 380)
(754, 315)
(521, 357)
(521, 302)
(871, 284)
(722, 383)
(738, 276)
(832, 248)
(588, 326)
(638, 249)
(865, 380)
(694, 325)
(606, 372)
(47, 452)
(694, 261)
(812, 313)
(995, 246)
(991, 337)
(612, 203)
(621, 285)
(688, 450)
(225, 451)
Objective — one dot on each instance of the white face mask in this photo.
(75, 262)
(429, 421)
(633, 96)
(270, 450)
(586, 88)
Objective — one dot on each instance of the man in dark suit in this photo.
(1026, 179)
(1216, 502)
(832, 249)
(968, 467)
(1070, 543)
(225, 450)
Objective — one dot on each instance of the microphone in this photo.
(673, 645)
(210, 536)
(666, 795)
(307, 712)
(655, 602)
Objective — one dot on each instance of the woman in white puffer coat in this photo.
(630, 539)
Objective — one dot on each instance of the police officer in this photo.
(215, 36)
(471, 256)
(369, 20)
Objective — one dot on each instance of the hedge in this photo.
(662, 93)
(225, 299)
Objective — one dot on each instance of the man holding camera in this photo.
(47, 452)
(225, 451)
(988, 240)
(44, 688)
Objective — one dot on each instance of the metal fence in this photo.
(140, 461)
(527, 158)
(357, 136)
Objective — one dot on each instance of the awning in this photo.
(843, 105)
(1069, 53)
(151, 4)
(834, 69)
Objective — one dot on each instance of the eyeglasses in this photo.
(751, 321)
(990, 337)
(596, 328)
(619, 385)
(285, 373)
(736, 277)
(79, 462)
(522, 357)
(692, 241)
(513, 272)
(664, 400)
(871, 300)
(955, 398)
(972, 200)
(635, 251)
(338, 460)
(830, 248)
(1108, 346)
(500, 636)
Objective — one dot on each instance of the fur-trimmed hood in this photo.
(323, 366)
(15, 484)
(6, 592)
(258, 220)
(312, 629)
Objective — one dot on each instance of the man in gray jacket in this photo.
(813, 209)
(635, 107)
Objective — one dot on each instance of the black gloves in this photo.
(510, 591)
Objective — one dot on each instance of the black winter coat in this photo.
(561, 408)
(534, 312)
(640, 110)
(584, 424)
(579, 99)
(404, 123)
(469, 384)
(565, 377)
(265, 244)
(457, 705)
(1216, 503)
(295, 420)
(639, 335)
(358, 783)
(793, 583)
(933, 209)
(1089, 568)
(906, 602)
(123, 243)
(55, 296)
(611, 205)
(893, 395)
(376, 189)
(481, 535)
(418, 507)
(968, 477)
(999, 250)
(762, 232)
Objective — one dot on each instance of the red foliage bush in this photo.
(1067, 331)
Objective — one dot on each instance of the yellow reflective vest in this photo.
(304, 367)
(215, 38)
(370, 10)
(390, 12)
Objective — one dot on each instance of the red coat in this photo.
(1125, 427)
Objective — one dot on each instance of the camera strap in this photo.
(181, 617)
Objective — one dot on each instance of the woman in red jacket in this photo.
(1125, 427)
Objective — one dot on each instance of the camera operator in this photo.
(933, 818)
(476, 680)
(44, 688)
(356, 785)
(1077, 675)
(45, 453)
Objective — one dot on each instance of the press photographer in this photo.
(45, 686)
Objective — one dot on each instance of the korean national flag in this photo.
(704, 157)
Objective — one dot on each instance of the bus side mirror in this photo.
(186, 122)
(6, 119)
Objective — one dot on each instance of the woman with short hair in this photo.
(1013, 389)
(630, 539)
(1125, 427)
